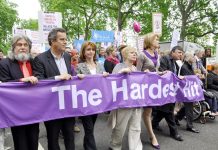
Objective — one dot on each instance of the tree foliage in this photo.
(196, 18)
(31, 24)
(120, 10)
(144, 16)
(8, 16)
(79, 16)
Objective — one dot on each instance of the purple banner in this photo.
(23, 103)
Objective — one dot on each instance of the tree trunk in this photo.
(183, 27)
(119, 18)
(86, 32)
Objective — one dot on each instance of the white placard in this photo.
(157, 23)
(118, 35)
(140, 43)
(48, 21)
(17, 31)
(192, 47)
(211, 60)
(33, 35)
(175, 38)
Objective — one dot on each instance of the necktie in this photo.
(25, 70)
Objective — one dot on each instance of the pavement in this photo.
(207, 139)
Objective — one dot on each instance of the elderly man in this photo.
(18, 67)
(56, 64)
(168, 62)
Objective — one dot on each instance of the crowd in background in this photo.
(61, 63)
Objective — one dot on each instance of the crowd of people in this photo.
(61, 63)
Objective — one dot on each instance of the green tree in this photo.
(120, 11)
(123, 12)
(79, 16)
(8, 16)
(144, 16)
(196, 18)
(31, 24)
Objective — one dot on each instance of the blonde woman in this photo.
(148, 60)
(124, 117)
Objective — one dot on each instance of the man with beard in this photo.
(18, 67)
(56, 64)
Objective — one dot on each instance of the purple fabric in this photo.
(153, 58)
(23, 103)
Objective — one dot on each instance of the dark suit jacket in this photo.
(10, 70)
(167, 63)
(44, 66)
(187, 69)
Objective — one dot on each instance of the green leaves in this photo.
(8, 15)
(197, 19)
(31, 24)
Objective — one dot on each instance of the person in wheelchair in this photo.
(187, 109)
(212, 86)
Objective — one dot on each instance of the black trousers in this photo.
(88, 125)
(26, 137)
(170, 119)
(186, 110)
(53, 130)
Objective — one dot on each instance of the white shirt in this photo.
(92, 71)
(61, 64)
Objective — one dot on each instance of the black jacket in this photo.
(44, 66)
(10, 70)
(167, 63)
(186, 69)
(109, 66)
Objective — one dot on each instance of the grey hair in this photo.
(53, 34)
(16, 38)
(12, 56)
(198, 49)
(126, 51)
(188, 56)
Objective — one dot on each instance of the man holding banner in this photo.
(56, 64)
(166, 111)
(18, 67)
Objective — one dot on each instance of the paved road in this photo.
(206, 140)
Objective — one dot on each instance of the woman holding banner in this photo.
(148, 60)
(128, 117)
(89, 65)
